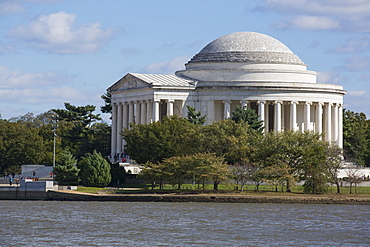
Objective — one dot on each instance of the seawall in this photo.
(216, 198)
(24, 195)
(57, 195)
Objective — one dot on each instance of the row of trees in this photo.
(91, 170)
(29, 139)
(176, 149)
(356, 137)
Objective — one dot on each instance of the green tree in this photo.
(107, 108)
(333, 163)
(81, 120)
(176, 169)
(293, 155)
(99, 138)
(95, 170)
(154, 174)
(154, 142)
(226, 138)
(118, 174)
(66, 171)
(195, 117)
(218, 170)
(355, 137)
(20, 144)
(249, 116)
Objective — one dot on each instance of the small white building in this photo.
(238, 69)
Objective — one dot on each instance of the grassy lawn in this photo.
(223, 189)
(93, 190)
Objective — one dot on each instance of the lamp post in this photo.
(55, 125)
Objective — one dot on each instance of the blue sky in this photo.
(56, 51)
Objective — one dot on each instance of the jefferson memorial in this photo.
(245, 69)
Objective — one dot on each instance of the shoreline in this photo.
(215, 198)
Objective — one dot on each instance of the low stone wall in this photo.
(75, 196)
(23, 195)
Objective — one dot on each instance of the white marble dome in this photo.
(246, 42)
(249, 47)
(247, 57)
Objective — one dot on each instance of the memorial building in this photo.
(245, 69)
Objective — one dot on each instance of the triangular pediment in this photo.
(129, 82)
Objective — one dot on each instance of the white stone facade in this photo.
(239, 69)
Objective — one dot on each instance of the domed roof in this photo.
(247, 47)
(246, 42)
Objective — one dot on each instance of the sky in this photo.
(56, 51)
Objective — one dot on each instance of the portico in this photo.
(241, 69)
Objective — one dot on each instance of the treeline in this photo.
(29, 139)
(176, 150)
(356, 137)
(91, 170)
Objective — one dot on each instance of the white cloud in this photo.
(306, 22)
(7, 8)
(167, 67)
(35, 88)
(357, 63)
(356, 44)
(356, 93)
(331, 77)
(15, 79)
(347, 15)
(364, 77)
(22, 92)
(39, 95)
(357, 101)
(56, 33)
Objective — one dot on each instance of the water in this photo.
(54, 223)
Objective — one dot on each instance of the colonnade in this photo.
(277, 115)
(320, 117)
(141, 112)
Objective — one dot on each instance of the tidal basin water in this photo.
(55, 223)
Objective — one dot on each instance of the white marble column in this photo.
(328, 121)
(114, 129)
(170, 103)
(340, 121)
(318, 126)
(210, 112)
(184, 112)
(124, 120)
(293, 115)
(119, 127)
(143, 112)
(336, 124)
(149, 111)
(307, 116)
(283, 127)
(261, 112)
(278, 116)
(267, 116)
(227, 113)
(131, 114)
(244, 104)
(156, 110)
(138, 112)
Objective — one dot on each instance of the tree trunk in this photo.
(288, 186)
(215, 185)
(257, 186)
(338, 187)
